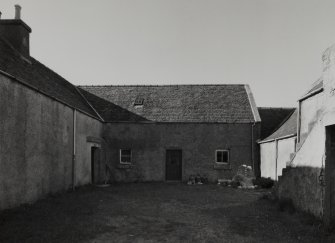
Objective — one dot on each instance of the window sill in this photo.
(222, 166)
(125, 166)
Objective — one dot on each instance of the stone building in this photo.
(174, 131)
(55, 136)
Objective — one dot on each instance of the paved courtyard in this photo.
(156, 212)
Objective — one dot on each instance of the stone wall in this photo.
(198, 142)
(301, 185)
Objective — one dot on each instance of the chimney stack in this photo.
(16, 32)
(17, 11)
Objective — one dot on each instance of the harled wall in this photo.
(36, 144)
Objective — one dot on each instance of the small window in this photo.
(125, 156)
(138, 101)
(222, 156)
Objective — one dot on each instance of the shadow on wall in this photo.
(305, 186)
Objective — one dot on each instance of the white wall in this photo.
(310, 110)
(268, 160)
(271, 165)
(285, 148)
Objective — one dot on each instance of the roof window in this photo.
(138, 101)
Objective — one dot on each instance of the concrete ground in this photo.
(157, 212)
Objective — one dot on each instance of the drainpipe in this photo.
(298, 122)
(252, 146)
(74, 150)
(276, 168)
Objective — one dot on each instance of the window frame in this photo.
(216, 156)
(131, 156)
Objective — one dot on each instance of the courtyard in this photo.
(157, 212)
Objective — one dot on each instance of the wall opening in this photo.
(173, 169)
(329, 212)
(95, 164)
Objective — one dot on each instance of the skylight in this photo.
(138, 101)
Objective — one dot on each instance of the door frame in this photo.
(181, 163)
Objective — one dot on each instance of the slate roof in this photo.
(272, 118)
(289, 127)
(173, 103)
(40, 77)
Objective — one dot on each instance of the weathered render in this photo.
(309, 179)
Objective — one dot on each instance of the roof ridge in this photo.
(157, 85)
(271, 107)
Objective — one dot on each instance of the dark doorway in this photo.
(329, 212)
(95, 164)
(173, 165)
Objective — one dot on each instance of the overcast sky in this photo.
(273, 45)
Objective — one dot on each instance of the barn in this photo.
(170, 132)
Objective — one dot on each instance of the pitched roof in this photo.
(174, 103)
(38, 76)
(289, 127)
(272, 118)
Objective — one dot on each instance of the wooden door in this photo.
(173, 165)
(95, 164)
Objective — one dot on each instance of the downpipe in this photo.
(74, 149)
(252, 146)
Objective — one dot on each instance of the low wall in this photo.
(301, 184)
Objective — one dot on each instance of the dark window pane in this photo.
(222, 156)
(225, 156)
(125, 156)
(219, 156)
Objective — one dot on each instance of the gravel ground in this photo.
(157, 212)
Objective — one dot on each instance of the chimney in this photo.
(16, 32)
(17, 11)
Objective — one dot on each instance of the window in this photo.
(222, 156)
(125, 156)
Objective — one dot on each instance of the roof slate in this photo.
(272, 118)
(289, 127)
(41, 78)
(172, 103)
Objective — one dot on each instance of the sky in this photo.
(275, 46)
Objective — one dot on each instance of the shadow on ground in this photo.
(156, 212)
